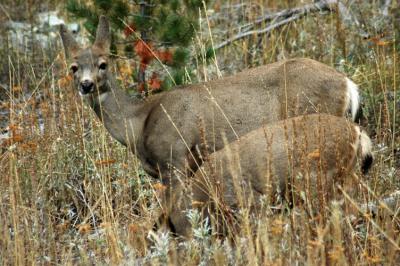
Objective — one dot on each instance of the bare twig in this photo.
(256, 32)
(289, 15)
(325, 5)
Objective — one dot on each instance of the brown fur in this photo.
(243, 102)
(308, 154)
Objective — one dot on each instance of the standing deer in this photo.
(179, 127)
(299, 159)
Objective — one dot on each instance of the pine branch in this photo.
(143, 36)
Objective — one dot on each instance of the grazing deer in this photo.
(300, 159)
(177, 128)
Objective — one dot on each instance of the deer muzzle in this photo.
(86, 86)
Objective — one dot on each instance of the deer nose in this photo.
(87, 86)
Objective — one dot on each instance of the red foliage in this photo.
(154, 82)
(165, 56)
(144, 51)
(129, 30)
(141, 87)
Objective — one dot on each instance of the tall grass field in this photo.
(72, 195)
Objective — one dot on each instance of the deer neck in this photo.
(122, 115)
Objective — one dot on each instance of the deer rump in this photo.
(300, 160)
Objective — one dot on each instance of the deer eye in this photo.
(74, 68)
(103, 66)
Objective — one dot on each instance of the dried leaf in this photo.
(165, 56)
(154, 82)
(17, 89)
(105, 162)
(84, 228)
(13, 127)
(29, 146)
(65, 81)
(196, 203)
(105, 225)
(17, 138)
(144, 51)
(129, 30)
(383, 43)
(141, 87)
(62, 226)
(380, 40)
(314, 154)
(125, 70)
(133, 228)
(159, 187)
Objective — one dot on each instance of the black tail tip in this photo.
(367, 163)
(359, 118)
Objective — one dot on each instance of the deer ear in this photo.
(71, 47)
(103, 35)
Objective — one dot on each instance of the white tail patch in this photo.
(366, 152)
(353, 98)
(366, 145)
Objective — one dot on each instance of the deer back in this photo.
(235, 105)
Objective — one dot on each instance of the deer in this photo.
(306, 155)
(175, 130)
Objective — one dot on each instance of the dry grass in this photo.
(73, 197)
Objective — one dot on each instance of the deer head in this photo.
(89, 65)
